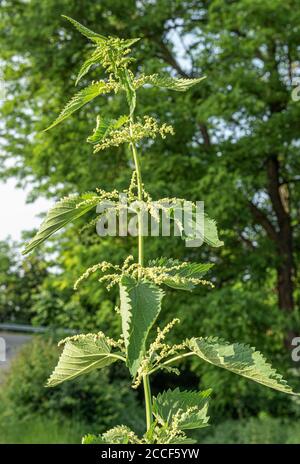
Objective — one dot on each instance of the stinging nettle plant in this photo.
(172, 412)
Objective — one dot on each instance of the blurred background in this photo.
(236, 146)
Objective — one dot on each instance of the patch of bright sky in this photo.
(16, 214)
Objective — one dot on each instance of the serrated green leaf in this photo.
(82, 354)
(171, 83)
(80, 99)
(190, 408)
(66, 210)
(96, 55)
(85, 31)
(190, 270)
(240, 359)
(194, 230)
(140, 304)
(209, 234)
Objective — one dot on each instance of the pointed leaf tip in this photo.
(240, 359)
(93, 36)
(80, 99)
(66, 210)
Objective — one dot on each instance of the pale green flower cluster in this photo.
(112, 53)
(132, 191)
(156, 274)
(104, 266)
(109, 85)
(117, 434)
(100, 335)
(132, 133)
(158, 351)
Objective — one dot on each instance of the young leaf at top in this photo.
(190, 408)
(82, 354)
(85, 31)
(140, 304)
(240, 359)
(80, 99)
(66, 210)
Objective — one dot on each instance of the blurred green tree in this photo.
(236, 144)
(19, 283)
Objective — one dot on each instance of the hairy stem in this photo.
(146, 382)
(140, 197)
(148, 400)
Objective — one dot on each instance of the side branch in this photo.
(263, 220)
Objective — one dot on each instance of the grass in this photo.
(265, 430)
(39, 430)
(42, 430)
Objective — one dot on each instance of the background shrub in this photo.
(100, 399)
(262, 430)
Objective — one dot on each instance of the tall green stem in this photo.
(146, 382)
(148, 401)
(140, 197)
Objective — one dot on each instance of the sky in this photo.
(16, 215)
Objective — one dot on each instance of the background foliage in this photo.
(236, 145)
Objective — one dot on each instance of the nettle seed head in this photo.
(158, 352)
(159, 275)
(113, 53)
(133, 133)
